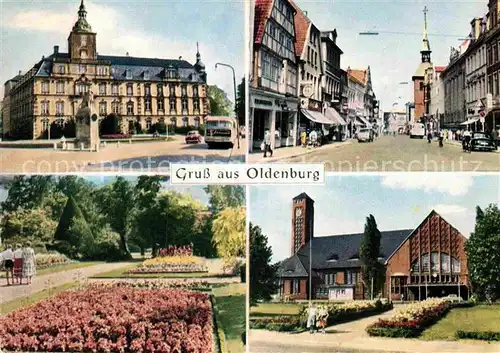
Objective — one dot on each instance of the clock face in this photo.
(298, 212)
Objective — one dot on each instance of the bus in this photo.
(417, 130)
(221, 130)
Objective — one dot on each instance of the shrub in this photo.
(50, 260)
(116, 136)
(479, 335)
(278, 323)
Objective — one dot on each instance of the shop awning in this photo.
(316, 117)
(470, 121)
(364, 121)
(334, 116)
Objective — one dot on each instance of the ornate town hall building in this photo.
(428, 261)
(141, 91)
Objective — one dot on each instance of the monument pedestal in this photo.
(87, 125)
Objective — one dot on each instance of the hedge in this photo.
(479, 335)
(280, 324)
(393, 332)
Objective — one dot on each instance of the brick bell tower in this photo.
(302, 221)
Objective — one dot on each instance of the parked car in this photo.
(481, 142)
(193, 137)
(365, 135)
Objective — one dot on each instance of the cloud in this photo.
(447, 209)
(117, 35)
(454, 185)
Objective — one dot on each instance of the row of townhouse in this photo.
(296, 80)
(466, 93)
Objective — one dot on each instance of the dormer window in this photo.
(101, 70)
(171, 72)
(195, 91)
(146, 75)
(333, 258)
(128, 74)
(60, 69)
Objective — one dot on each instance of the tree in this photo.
(262, 273)
(34, 225)
(27, 192)
(369, 252)
(110, 125)
(221, 197)
(220, 105)
(117, 203)
(72, 230)
(229, 233)
(240, 102)
(483, 254)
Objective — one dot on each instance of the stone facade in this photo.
(139, 90)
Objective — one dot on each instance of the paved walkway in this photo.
(352, 336)
(292, 152)
(9, 293)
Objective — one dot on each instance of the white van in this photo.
(417, 130)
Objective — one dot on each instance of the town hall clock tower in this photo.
(81, 40)
(302, 221)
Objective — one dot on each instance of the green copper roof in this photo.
(82, 25)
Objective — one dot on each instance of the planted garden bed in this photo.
(170, 264)
(411, 320)
(113, 319)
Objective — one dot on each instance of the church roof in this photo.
(338, 251)
(421, 69)
(137, 67)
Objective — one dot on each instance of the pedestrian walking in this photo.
(322, 318)
(313, 137)
(303, 138)
(267, 143)
(29, 263)
(17, 271)
(8, 263)
(494, 137)
(311, 317)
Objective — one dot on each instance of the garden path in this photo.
(9, 293)
(352, 336)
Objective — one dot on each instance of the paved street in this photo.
(137, 157)
(273, 347)
(397, 153)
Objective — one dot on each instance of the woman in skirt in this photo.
(29, 263)
(8, 263)
(322, 318)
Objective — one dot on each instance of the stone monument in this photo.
(87, 124)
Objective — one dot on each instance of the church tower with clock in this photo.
(302, 221)
(81, 40)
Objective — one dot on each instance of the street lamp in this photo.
(234, 86)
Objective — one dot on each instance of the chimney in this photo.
(56, 49)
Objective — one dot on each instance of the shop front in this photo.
(340, 125)
(312, 118)
(276, 113)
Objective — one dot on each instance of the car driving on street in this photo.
(193, 137)
(365, 135)
(481, 142)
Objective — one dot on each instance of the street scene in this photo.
(322, 84)
(121, 264)
(404, 263)
(114, 95)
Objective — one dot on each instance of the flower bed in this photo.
(167, 268)
(50, 260)
(174, 260)
(113, 319)
(156, 284)
(172, 250)
(116, 136)
(279, 323)
(411, 320)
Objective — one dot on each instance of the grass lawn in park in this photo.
(32, 299)
(65, 267)
(121, 273)
(229, 302)
(274, 309)
(477, 318)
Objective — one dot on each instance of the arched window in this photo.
(149, 123)
(196, 122)
(173, 122)
(185, 122)
(130, 108)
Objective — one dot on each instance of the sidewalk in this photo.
(9, 293)
(292, 152)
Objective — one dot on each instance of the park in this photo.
(124, 265)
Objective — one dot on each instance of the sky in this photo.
(397, 201)
(196, 192)
(155, 29)
(393, 58)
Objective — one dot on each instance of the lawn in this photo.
(230, 311)
(477, 318)
(120, 273)
(34, 298)
(66, 267)
(274, 309)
